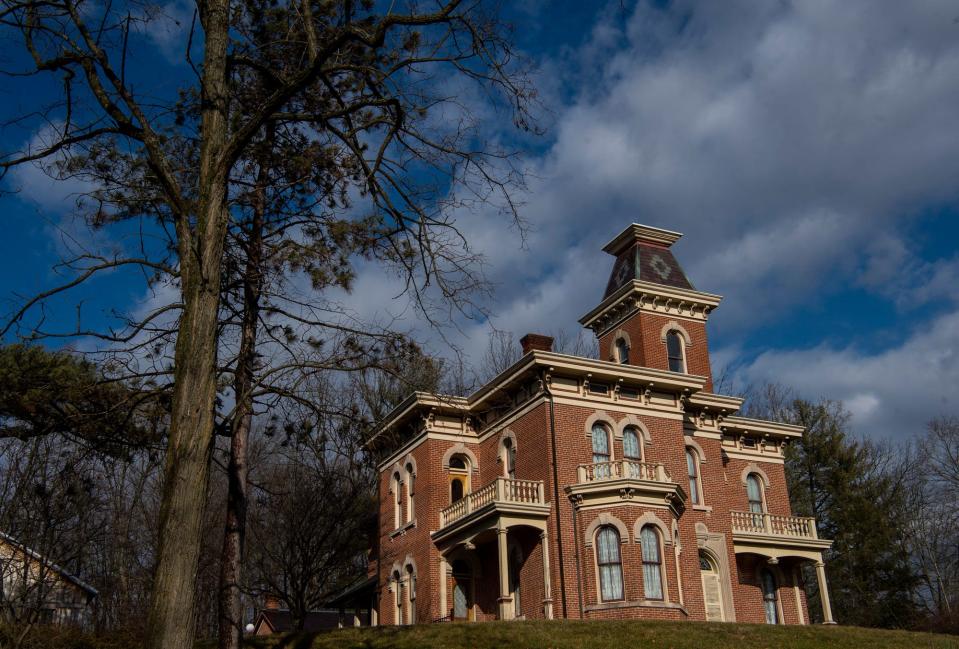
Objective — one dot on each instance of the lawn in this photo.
(602, 635)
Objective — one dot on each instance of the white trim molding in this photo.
(672, 325)
(606, 519)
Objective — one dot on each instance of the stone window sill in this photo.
(403, 530)
(702, 508)
(642, 603)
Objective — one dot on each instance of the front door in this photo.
(712, 589)
(462, 592)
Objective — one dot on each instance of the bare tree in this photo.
(370, 92)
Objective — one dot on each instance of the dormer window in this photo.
(622, 351)
(675, 352)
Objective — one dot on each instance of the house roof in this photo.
(281, 620)
(76, 581)
(361, 590)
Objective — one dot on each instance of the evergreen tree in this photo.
(858, 496)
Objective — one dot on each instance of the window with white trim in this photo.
(652, 562)
(411, 595)
(609, 563)
(601, 450)
(675, 352)
(632, 451)
(754, 493)
(509, 458)
(410, 491)
(692, 470)
(622, 351)
(397, 500)
(770, 600)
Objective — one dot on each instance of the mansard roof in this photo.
(642, 253)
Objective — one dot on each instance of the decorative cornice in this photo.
(638, 232)
(647, 296)
(733, 425)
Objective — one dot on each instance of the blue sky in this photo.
(808, 151)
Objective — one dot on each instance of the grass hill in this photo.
(611, 635)
(545, 635)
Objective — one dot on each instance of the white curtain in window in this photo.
(610, 565)
(769, 597)
(652, 568)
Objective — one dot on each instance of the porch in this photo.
(774, 537)
(492, 541)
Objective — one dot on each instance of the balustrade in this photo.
(505, 490)
(775, 525)
(629, 469)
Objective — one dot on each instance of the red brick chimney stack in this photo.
(539, 342)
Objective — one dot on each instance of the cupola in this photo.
(651, 314)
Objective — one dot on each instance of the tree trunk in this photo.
(172, 620)
(234, 537)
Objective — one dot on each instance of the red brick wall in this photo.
(647, 348)
(722, 488)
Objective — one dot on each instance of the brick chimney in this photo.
(271, 603)
(539, 342)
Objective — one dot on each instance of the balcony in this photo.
(517, 501)
(608, 483)
(630, 469)
(774, 536)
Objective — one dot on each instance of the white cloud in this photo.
(889, 393)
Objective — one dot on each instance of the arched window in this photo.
(632, 452)
(692, 469)
(754, 492)
(674, 351)
(652, 562)
(622, 351)
(411, 595)
(601, 450)
(459, 477)
(609, 563)
(769, 596)
(398, 597)
(509, 458)
(410, 492)
(397, 500)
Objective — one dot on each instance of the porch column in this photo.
(824, 593)
(798, 596)
(505, 610)
(444, 575)
(547, 588)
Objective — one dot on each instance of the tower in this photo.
(651, 315)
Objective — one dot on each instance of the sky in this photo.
(808, 151)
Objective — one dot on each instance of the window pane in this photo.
(622, 351)
(692, 470)
(769, 597)
(652, 569)
(754, 493)
(652, 581)
(674, 351)
(601, 447)
(650, 542)
(610, 567)
(631, 444)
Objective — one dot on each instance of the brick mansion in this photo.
(618, 487)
